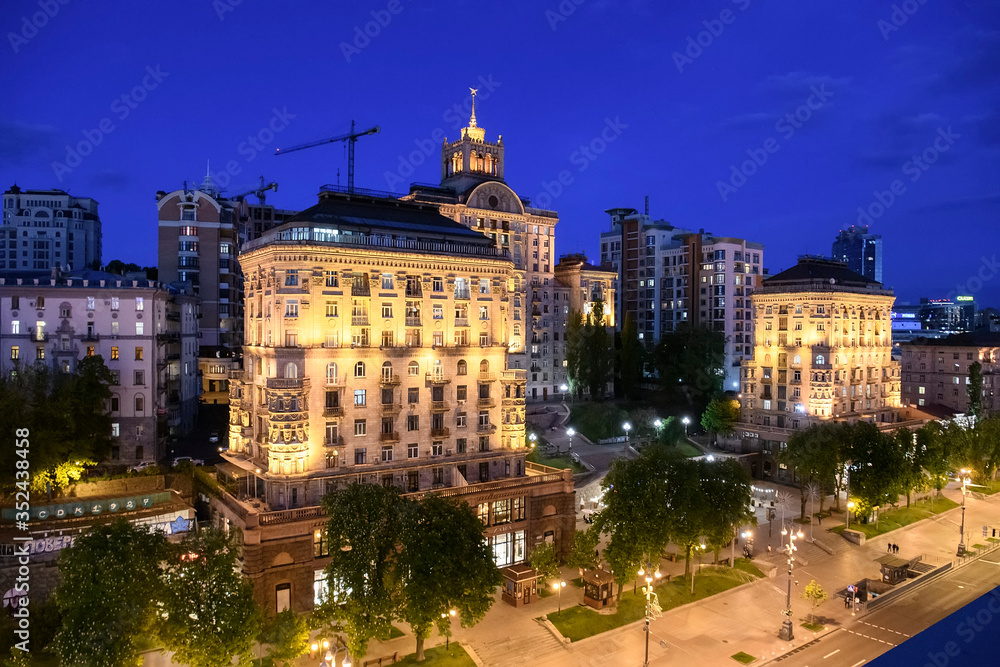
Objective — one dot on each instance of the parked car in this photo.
(181, 459)
(213, 437)
(139, 467)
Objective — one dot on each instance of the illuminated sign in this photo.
(963, 298)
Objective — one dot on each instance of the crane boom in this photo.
(351, 137)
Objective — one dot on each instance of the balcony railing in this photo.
(440, 432)
(285, 383)
(333, 411)
(413, 320)
(486, 402)
(392, 407)
(487, 428)
(361, 290)
(359, 321)
(389, 380)
(461, 321)
(438, 378)
(487, 377)
(438, 406)
(389, 437)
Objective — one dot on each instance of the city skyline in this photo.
(675, 116)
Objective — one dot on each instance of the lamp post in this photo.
(564, 388)
(850, 506)
(558, 587)
(685, 421)
(961, 537)
(628, 427)
(748, 536)
(447, 634)
(533, 438)
(701, 550)
(330, 655)
(652, 602)
(570, 432)
(786, 633)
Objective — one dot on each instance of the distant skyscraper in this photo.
(49, 228)
(860, 250)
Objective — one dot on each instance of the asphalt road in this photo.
(875, 633)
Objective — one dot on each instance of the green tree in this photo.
(816, 596)
(445, 564)
(575, 352)
(598, 352)
(632, 355)
(690, 363)
(286, 635)
(975, 389)
(583, 555)
(934, 455)
(877, 465)
(725, 486)
(544, 560)
(720, 415)
(207, 612)
(109, 582)
(363, 530)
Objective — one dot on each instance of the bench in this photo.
(384, 660)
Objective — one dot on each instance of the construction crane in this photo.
(350, 138)
(260, 191)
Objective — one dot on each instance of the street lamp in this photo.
(330, 656)
(658, 423)
(628, 427)
(564, 388)
(786, 633)
(557, 587)
(747, 535)
(965, 487)
(701, 550)
(533, 438)
(685, 421)
(850, 506)
(570, 432)
(447, 634)
(652, 602)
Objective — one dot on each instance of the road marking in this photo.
(860, 662)
(829, 654)
(991, 562)
(886, 629)
(874, 639)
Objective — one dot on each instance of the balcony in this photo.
(439, 406)
(392, 408)
(361, 290)
(389, 437)
(284, 383)
(487, 377)
(389, 380)
(440, 432)
(413, 321)
(414, 291)
(359, 321)
(438, 378)
(333, 411)
(337, 441)
(96, 337)
(461, 321)
(486, 402)
(486, 428)
(238, 376)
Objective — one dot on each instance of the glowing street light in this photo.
(652, 602)
(685, 421)
(447, 635)
(533, 438)
(570, 432)
(658, 423)
(558, 586)
(850, 506)
(786, 633)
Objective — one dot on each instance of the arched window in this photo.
(387, 371)
(797, 360)
(331, 373)
(359, 369)
(484, 366)
(291, 370)
(820, 360)
(463, 368)
(413, 369)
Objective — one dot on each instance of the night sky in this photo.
(877, 92)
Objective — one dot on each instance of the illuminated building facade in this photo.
(376, 351)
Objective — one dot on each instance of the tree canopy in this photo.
(721, 413)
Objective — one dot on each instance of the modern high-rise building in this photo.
(934, 318)
(474, 193)
(49, 228)
(936, 371)
(822, 351)
(377, 350)
(200, 234)
(668, 277)
(860, 250)
(146, 332)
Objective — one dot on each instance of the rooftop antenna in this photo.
(647, 204)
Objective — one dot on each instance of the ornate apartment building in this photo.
(474, 193)
(49, 228)
(822, 351)
(146, 332)
(936, 371)
(376, 350)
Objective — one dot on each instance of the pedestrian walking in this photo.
(768, 549)
(895, 548)
(888, 547)
(847, 602)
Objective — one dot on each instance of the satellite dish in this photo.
(663, 644)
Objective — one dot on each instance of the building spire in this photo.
(472, 120)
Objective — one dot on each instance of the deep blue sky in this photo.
(888, 94)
